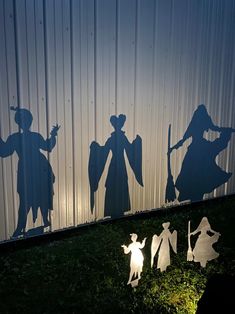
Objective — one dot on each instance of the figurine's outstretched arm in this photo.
(134, 155)
(7, 148)
(215, 232)
(195, 232)
(176, 146)
(222, 142)
(50, 143)
(97, 160)
(173, 241)
(156, 240)
(126, 249)
(143, 243)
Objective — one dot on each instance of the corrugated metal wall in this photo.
(77, 62)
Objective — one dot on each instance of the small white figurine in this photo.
(203, 250)
(137, 259)
(162, 242)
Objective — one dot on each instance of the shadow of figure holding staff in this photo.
(35, 177)
(199, 172)
(117, 199)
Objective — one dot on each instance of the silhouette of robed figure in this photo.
(117, 199)
(199, 172)
(35, 177)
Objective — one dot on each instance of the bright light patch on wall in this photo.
(203, 250)
(161, 246)
(137, 259)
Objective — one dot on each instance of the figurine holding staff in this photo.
(203, 250)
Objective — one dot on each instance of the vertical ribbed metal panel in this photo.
(77, 62)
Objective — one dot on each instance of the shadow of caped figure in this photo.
(117, 199)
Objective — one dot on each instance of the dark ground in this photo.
(86, 271)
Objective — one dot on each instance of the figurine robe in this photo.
(203, 250)
(161, 244)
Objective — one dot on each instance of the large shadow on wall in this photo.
(35, 177)
(199, 172)
(117, 198)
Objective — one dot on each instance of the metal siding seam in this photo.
(16, 52)
(65, 122)
(72, 107)
(18, 94)
(135, 79)
(46, 79)
(4, 194)
(116, 56)
(95, 84)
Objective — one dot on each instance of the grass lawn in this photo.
(87, 272)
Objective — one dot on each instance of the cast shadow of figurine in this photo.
(35, 231)
(117, 198)
(199, 172)
(35, 177)
(218, 296)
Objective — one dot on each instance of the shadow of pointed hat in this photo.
(201, 121)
